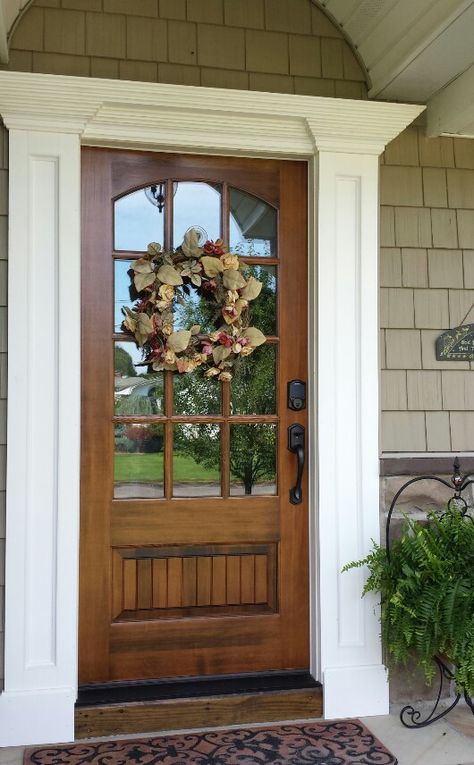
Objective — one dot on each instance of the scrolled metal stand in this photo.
(409, 716)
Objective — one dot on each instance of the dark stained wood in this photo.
(238, 519)
(132, 170)
(147, 612)
(206, 712)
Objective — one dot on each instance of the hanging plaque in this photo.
(456, 344)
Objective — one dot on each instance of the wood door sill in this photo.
(202, 709)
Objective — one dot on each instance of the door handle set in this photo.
(296, 444)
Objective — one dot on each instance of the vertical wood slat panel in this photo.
(261, 588)
(233, 579)
(247, 579)
(129, 584)
(175, 582)
(189, 581)
(144, 584)
(117, 584)
(160, 583)
(204, 581)
(218, 589)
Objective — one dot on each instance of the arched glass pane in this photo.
(138, 221)
(196, 205)
(253, 225)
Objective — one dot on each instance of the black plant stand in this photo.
(411, 717)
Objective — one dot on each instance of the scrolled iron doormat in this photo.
(340, 742)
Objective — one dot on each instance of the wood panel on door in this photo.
(190, 567)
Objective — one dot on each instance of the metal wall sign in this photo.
(456, 344)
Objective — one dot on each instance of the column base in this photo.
(356, 691)
(36, 717)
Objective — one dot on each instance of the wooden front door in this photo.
(194, 561)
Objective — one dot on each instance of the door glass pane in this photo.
(253, 225)
(123, 291)
(253, 459)
(138, 221)
(138, 461)
(196, 461)
(196, 205)
(264, 308)
(196, 311)
(254, 383)
(135, 390)
(192, 394)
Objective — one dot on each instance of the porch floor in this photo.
(447, 742)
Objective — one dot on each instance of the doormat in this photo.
(340, 742)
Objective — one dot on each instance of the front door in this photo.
(194, 561)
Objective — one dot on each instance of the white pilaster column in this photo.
(37, 704)
(347, 418)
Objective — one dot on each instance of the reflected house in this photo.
(136, 388)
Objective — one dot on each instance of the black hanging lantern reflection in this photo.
(155, 195)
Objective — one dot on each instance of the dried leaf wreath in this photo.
(160, 278)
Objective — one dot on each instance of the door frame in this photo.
(48, 117)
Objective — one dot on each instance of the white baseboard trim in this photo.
(356, 691)
(37, 717)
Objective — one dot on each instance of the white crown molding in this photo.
(115, 112)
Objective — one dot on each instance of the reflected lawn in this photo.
(149, 467)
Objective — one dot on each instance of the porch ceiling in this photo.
(412, 51)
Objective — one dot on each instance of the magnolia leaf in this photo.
(240, 305)
(254, 336)
(169, 275)
(220, 353)
(179, 341)
(143, 280)
(143, 329)
(154, 248)
(190, 245)
(252, 290)
(142, 266)
(233, 280)
(195, 329)
(212, 266)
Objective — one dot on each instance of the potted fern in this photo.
(426, 586)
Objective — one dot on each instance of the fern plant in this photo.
(426, 587)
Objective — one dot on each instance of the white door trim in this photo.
(48, 118)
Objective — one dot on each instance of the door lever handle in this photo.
(296, 445)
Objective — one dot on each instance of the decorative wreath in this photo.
(160, 278)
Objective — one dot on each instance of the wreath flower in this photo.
(163, 278)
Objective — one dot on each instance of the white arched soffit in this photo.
(415, 52)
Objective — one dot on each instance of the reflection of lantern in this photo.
(155, 195)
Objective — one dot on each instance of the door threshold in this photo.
(126, 708)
